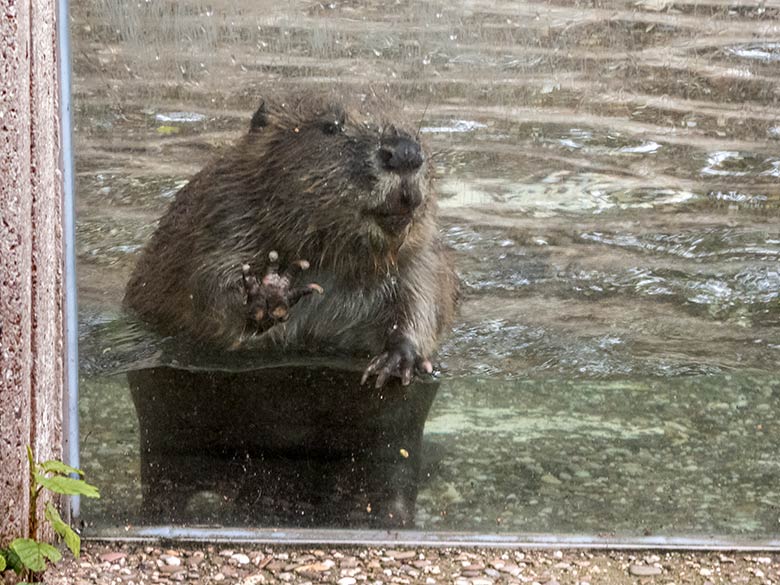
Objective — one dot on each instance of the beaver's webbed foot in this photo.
(269, 301)
(399, 360)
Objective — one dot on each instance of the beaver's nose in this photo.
(400, 155)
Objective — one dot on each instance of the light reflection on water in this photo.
(608, 181)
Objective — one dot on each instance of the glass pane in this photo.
(608, 180)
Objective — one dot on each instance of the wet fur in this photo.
(293, 185)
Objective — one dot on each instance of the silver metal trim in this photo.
(411, 538)
(71, 393)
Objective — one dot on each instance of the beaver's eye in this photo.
(335, 123)
(333, 126)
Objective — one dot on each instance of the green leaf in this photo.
(29, 555)
(2, 562)
(33, 554)
(67, 486)
(49, 552)
(13, 561)
(60, 468)
(71, 539)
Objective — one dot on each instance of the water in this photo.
(609, 178)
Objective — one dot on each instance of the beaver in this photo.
(340, 188)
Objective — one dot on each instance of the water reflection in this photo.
(298, 446)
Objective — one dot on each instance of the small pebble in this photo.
(644, 570)
(112, 557)
(402, 555)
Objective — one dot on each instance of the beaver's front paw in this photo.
(401, 360)
(269, 301)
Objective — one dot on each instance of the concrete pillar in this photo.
(31, 317)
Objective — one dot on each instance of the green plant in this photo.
(28, 556)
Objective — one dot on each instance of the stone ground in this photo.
(134, 564)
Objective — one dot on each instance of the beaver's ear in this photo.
(259, 118)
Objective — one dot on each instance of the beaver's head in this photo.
(350, 171)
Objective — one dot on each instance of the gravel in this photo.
(136, 564)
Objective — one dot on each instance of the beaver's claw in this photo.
(400, 361)
(269, 301)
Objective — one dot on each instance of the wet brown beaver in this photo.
(347, 187)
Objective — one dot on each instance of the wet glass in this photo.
(609, 181)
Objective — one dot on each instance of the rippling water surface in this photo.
(609, 178)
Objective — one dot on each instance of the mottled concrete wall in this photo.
(31, 324)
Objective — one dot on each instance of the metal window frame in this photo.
(416, 538)
(281, 536)
(70, 415)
